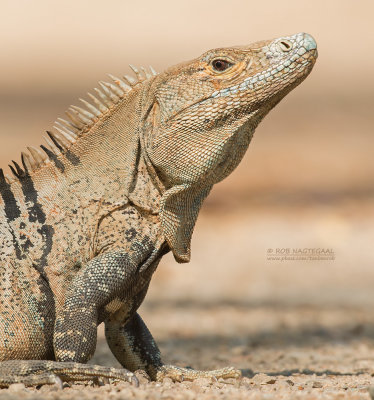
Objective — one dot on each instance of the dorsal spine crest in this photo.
(78, 123)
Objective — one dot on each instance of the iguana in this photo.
(87, 218)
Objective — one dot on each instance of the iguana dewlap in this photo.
(87, 218)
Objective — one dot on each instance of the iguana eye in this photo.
(221, 65)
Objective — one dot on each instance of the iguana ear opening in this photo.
(179, 209)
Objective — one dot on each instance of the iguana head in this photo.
(204, 113)
(205, 110)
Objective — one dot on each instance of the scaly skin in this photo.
(86, 221)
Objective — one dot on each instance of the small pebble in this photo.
(142, 376)
(49, 388)
(17, 387)
(203, 382)
(167, 382)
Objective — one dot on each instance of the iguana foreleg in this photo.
(108, 277)
(134, 347)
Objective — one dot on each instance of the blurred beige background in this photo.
(307, 180)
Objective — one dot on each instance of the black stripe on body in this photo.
(73, 158)
(46, 305)
(37, 214)
(34, 208)
(47, 232)
(11, 211)
(47, 314)
(11, 208)
(52, 156)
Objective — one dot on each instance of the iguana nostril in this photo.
(309, 43)
(285, 45)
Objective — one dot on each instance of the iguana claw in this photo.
(179, 374)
